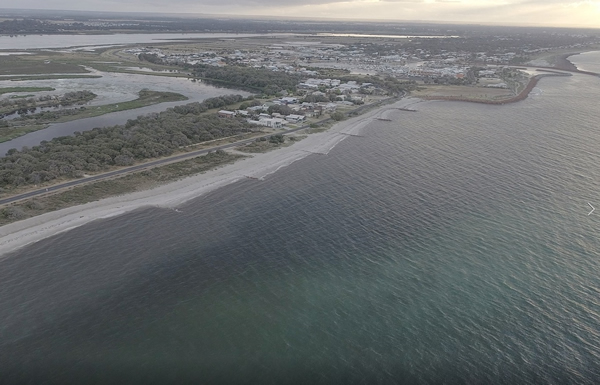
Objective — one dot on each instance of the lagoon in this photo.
(111, 87)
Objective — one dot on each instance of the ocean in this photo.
(451, 245)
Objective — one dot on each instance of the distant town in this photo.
(271, 84)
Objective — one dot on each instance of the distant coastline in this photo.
(517, 98)
(562, 64)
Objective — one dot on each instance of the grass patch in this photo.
(10, 133)
(36, 65)
(7, 90)
(138, 181)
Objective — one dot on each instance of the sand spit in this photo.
(19, 234)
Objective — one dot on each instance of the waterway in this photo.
(21, 42)
(111, 87)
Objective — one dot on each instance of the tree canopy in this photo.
(149, 136)
(261, 79)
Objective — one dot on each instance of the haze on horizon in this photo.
(559, 13)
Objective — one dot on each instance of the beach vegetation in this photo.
(337, 116)
(13, 213)
(277, 138)
(128, 183)
(264, 144)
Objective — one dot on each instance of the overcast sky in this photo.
(583, 13)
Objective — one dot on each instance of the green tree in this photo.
(337, 116)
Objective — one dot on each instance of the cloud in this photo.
(402, 1)
(527, 12)
(232, 4)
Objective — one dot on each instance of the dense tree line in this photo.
(150, 57)
(316, 99)
(280, 109)
(22, 26)
(267, 81)
(148, 136)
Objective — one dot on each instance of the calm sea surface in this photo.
(450, 246)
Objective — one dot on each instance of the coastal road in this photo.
(139, 167)
(160, 162)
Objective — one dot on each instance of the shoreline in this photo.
(19, 234)
(562, 64)
(517, 98)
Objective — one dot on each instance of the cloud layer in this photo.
(525, 12)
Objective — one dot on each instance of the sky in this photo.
(568, 13)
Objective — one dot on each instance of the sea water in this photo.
(450, 245)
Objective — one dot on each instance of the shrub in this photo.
(14, 213)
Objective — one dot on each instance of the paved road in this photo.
(138, 167)
(158, 162)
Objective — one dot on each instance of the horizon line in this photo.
(291, 18)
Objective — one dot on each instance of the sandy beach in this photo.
(259, 166)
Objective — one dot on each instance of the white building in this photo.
(292, 118)
(268, 122)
